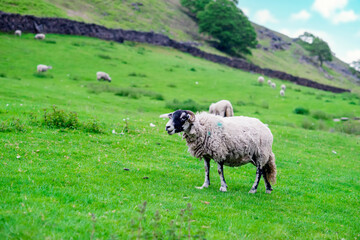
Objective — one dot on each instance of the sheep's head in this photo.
(180, 120)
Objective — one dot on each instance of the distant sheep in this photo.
(40, 36)
(222, 108)
(269, 82)
(18, 33)
(43, 68)
(283, 87)
(261, 79)
(282, 93)
(104, 76)
(273, 85)
(231, 141)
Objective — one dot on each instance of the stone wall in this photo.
(10, 22)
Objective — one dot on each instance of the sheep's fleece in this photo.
(230, 141)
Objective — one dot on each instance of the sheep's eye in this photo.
(170, 116)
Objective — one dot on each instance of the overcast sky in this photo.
(335, 21)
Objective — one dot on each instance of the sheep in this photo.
(18, 33)
(222, 108)
(43, 68)
(283, 87)
(282, 93)
(104, 76)
(269, 82)
(40, 36)
(261, 79)
(273, 85)
(232, 141)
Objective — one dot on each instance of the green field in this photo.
(62, 183)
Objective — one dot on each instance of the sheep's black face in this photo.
(178, 122)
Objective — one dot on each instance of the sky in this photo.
(335, 21)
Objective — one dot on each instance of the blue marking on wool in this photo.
(219, 124)
(209, 133)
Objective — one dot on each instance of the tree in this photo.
(222, 20)
(320, 49)
(196, 6)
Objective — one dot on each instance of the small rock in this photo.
(336, 120)
(145, 177)
(126, 169)
(344, 119)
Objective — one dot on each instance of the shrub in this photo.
(12, 125)
(193, 69)
(307, 124)
(186, 105)
(93, 125)
(350, 127)
(320, 115)
(60, 119)
(2, 75)
(301, 110)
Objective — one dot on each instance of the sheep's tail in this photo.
(270, 169)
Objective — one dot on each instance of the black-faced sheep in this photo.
(222, 108)
(104, 76)
(43, 68)
(40, 36)
(232, 141)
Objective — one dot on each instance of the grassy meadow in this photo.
(79, 159)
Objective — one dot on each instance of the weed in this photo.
(241, 103)
(129, 43)
(193, 69)
(78, 44)
(350, 127)
(297, 90)
(322, 126)
(43, 75)
(301, 110)
(2, 75)
(187, 104)
(106, 57)
(307, 124)
(265, 105)
(320, 115)
(171, 85)
(50, 41)
(12, 125)
(141, 51)
(93, 125)
(60, 119)
(133, 74)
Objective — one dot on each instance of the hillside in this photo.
(275, 51)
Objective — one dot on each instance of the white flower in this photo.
(113, 131)
(18, 156)
(334, 152)
(123, 119)
(152, 125)
(196, 83)
(20, 104)
(7, 105)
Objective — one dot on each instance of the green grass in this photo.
(62, 183)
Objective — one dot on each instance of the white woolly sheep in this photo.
(269, 82)
(282, 92)
(273, 85)
(43, 68)
(283, 87)
(40, 36)
(18, 33)
(232, 141)
(222, 108)
(104, 76)
(261, 79)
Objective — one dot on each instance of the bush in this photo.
(12, 125)
(2, 75)
(301, 110)
(186, 105)
(350, 127)
(320, 115)
(93, 125)
(307, 124)
(60, 119)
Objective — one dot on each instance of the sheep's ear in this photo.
(191, 115)
(166, 115)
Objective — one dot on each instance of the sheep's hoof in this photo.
(268, 191)
(203, 186)
(252, 191)
(223, 189)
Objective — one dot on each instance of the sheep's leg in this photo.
(257, 180)
(223, 187)
(207, 174)
(267, 183)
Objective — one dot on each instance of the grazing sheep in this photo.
(232, 141)
(283, 87)
(40, 36)
(282, 93)
(261, 79)
(222, 108)
(269, 82)
(18, 33)
(104, 76)
(273, 85)
(43, 68)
